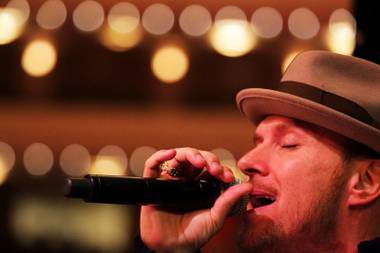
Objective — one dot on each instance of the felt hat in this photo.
(340, 93)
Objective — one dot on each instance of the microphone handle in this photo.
(174, 195)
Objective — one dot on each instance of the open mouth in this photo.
(262, 200)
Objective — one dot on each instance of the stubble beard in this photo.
(316, 232)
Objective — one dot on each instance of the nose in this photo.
(254, 162)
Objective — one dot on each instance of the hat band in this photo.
(333, 101)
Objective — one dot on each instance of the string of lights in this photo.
(231, 32)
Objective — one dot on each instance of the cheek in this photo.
(304, 179)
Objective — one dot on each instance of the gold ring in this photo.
(165, 167)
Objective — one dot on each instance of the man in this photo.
(314, 169)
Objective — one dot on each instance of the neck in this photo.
(358, 227)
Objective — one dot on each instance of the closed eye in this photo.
(289, 146)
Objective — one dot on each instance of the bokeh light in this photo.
(170, 64)
(267, 22)
(92, 228)
(111, 160)
(231, 34)
(288, 59)
(303, 23)
(120, 41)
(3, 173)
(39, 58)
(124, 17)
(22, 6)
(138, 158)
(38, 159)
(75, 160)
(52, 14)
(7, 160)
(230, 12)
(158, 19)
(11, 25)
(195, 20)
(88, 16)
(232, 37)
(227, 159)
(341, 34)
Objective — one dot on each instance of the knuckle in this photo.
(211, 156)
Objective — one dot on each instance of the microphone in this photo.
(170, 194)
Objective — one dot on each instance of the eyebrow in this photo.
(280, 128)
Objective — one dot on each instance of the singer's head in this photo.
(315, 162)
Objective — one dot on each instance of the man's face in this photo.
(299, 177)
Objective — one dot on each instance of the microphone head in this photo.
(241, 205)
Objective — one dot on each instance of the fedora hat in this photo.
(337, 92)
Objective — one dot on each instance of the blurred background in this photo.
(98, 86)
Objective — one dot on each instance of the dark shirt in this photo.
(372, 246)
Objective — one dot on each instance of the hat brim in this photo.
(257, 103)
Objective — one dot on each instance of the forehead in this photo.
(280, 123)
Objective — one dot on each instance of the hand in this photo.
(165, 231)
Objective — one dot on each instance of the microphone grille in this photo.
(241, 205)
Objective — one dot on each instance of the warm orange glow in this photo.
(227, 159)
(267, 22)
(75, 160)
(7, 160)
(39, 58)
(230, 12)
(3, 172)
(170, 64)
(52, 14)
(22, 6)
(137, 160)
(11, 25)
(232, 37)
(288, 59)
(341, 34)
(124, 18)
(111, 160)
(120, 41)
(38, 159)
(303, 23)
(158, 19)
(88, 16)
(105, 228)
(195, 20)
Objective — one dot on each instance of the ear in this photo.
(364, 185)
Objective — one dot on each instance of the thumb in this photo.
(227, 199)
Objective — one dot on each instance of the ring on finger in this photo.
(165, 167)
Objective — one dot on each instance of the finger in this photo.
(171, 169)
(151, 168)
(227, 175)
(216, 169)
(213, 164)
(190, 162)
(191, 155)
(227, 200)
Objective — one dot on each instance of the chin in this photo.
(259, 234)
